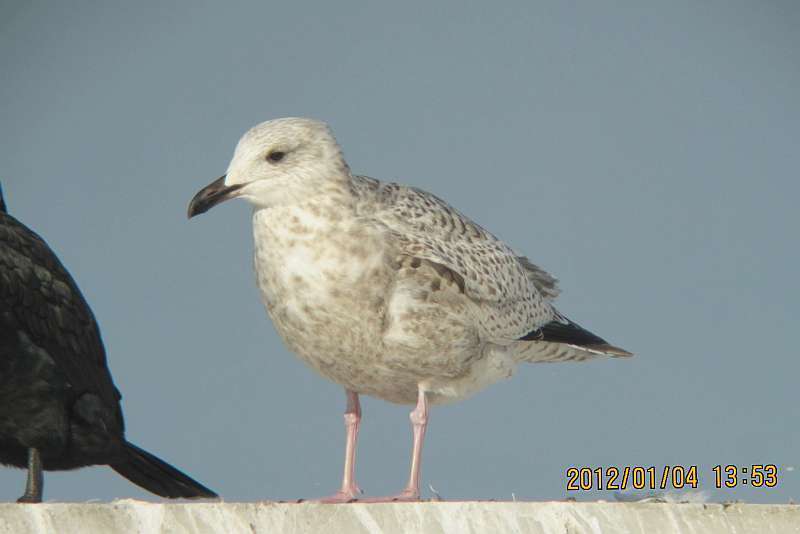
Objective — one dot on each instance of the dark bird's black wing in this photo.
(42, 300)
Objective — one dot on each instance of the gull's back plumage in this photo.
(512, 297)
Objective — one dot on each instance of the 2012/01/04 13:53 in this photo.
(672, 477)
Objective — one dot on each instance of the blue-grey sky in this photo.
(644, 153)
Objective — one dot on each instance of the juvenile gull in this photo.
(384, 288)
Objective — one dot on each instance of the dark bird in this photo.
(59, 408)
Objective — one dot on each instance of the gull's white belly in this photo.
(339, 303)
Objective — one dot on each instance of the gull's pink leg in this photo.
(352, 419)
(419, 423)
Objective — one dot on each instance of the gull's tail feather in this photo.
(546, 352)
(157, 476)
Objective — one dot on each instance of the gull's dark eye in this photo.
(276, 155)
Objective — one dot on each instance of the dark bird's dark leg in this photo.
(35, 484)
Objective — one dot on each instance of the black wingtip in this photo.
(562, 330)
(2, 201)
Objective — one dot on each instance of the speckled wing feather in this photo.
(511, 293)
(546, 283)
(39, 299)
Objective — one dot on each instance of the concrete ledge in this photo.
(131, 516)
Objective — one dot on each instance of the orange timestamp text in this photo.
(631, 477)
(668, 477)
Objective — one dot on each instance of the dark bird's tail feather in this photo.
(157, 476)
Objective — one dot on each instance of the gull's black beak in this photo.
(211, 195)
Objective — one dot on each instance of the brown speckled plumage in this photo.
(385, 288)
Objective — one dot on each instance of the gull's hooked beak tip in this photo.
(214, 193)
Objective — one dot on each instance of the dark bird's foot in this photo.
(34, 499)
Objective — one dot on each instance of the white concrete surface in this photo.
(131, 516)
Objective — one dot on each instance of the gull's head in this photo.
(277, 162)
